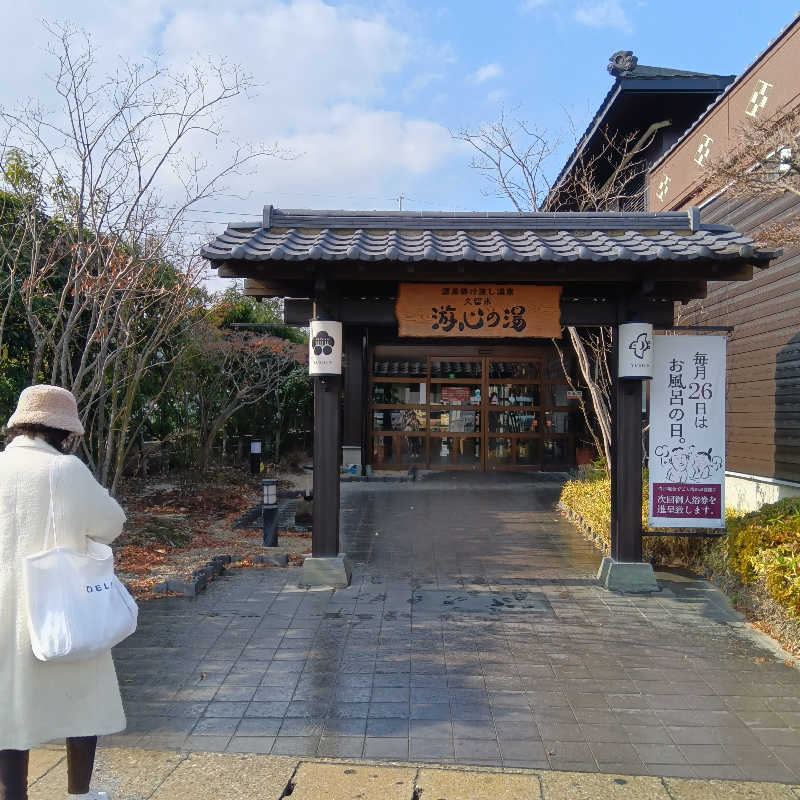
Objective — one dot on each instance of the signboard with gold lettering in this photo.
(488, 311)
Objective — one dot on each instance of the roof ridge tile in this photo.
(595, 237)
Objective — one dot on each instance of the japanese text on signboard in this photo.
(485, 306)
(687, 432)
(471, 310)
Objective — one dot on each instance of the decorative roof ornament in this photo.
(621, 62)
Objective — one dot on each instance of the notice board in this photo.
(493, 311)
(687, 432)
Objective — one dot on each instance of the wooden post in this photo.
(327, 449)
(626, 464)
(624, 570)
(354, 409)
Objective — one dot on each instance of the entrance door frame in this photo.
(415, 353)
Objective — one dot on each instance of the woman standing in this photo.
(42, 701)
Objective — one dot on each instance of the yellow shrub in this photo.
(764, 544)
(591, 500)
(780, 568)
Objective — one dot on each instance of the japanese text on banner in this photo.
(687, 433)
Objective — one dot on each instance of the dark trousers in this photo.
(80, 764)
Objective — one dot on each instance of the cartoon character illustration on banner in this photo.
(688, 464)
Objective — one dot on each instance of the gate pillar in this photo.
(624, 570)
(326, 566)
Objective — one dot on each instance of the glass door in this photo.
(476, 413)
(399, 410)
(513, 413)
(455, 412)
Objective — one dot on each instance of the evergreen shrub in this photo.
(766, 544)
(763, 545)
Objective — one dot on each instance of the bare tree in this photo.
(226, 371)
(592, 347)
(511, 154)
(763, 162)
(102, 256)
(514, 157)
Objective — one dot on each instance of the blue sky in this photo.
(366, 94)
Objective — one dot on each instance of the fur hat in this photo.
(47, 405)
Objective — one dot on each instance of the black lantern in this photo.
(269, 511)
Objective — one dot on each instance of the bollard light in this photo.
(269, 488)
(269, 511)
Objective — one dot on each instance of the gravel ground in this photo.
(177, 523)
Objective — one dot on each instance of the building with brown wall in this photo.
(763, 397)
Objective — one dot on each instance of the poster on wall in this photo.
(687, 432)
(435, 310)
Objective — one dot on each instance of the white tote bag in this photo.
(77, 608)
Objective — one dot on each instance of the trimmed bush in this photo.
(766, 544)
(761, 547)
(591, 501)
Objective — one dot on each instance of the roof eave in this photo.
(682, 85)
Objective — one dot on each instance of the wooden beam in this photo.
(629, 272)
(354, 392)
(256, 287)
(380, 313)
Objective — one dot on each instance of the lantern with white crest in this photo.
(635, 358)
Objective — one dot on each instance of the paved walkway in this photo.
(473, 633)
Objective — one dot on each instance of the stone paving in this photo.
(474, 632)
(135, 774)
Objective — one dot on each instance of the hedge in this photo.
(766, 544)
(763, 545)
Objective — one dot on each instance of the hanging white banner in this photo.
(687, 432)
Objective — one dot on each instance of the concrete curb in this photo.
(133, 774)
(200, 577)
(584, 528)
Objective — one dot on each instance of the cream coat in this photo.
(44, 701)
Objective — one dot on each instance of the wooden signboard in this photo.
(486, 311)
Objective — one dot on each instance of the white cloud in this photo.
(323, 71)
(305, 52)
(603, 14)
(486, 73)
(357, 149)
(420, 82)
(496, 95)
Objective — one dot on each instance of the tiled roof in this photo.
(643, 71)
(626, 80)
(303, 235)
